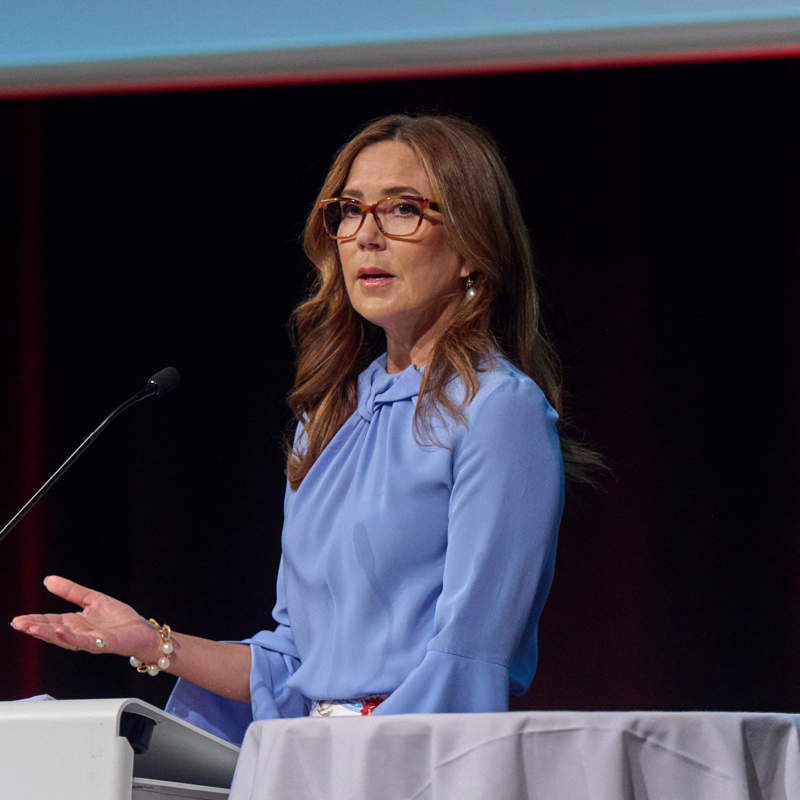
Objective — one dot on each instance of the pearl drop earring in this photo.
(471, 290)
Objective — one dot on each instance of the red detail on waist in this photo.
(370, 704)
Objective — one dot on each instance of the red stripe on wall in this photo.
(30, 384)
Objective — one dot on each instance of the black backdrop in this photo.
(146, 230)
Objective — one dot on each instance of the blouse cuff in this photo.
(225, 718)
(273, 660)
(449, 683)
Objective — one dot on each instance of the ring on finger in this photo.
(99, 643)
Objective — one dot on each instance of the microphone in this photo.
(163, 382)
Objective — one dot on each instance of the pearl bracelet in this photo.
(165, 632)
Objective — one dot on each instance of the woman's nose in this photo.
(369, 234)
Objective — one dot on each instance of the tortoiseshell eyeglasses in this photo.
(397, 216)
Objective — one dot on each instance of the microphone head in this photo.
(163, 382)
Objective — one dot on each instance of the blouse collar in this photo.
(376, 386)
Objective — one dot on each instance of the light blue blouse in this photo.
(410, 569)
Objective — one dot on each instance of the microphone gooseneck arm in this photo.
(158, 385)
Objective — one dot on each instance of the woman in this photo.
(425, 481)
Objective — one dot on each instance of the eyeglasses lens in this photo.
(398, 216)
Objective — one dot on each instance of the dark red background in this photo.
(145, 230)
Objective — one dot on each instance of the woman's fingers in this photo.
(79, 640)
(26, 621)
(121, 629)
(73, 592)
(50, 634)
(73, 634)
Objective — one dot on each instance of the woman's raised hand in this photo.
(103, 625)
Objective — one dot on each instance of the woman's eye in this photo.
(350, 210)
(405, 208)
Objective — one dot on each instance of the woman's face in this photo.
(407, 286)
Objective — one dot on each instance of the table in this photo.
(549, 755)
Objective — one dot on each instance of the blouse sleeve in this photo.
(273, 660)
(504, 513)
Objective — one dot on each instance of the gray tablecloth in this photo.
(548, 755)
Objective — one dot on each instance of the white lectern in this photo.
(84, 750)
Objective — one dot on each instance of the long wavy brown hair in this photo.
(484, 225)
